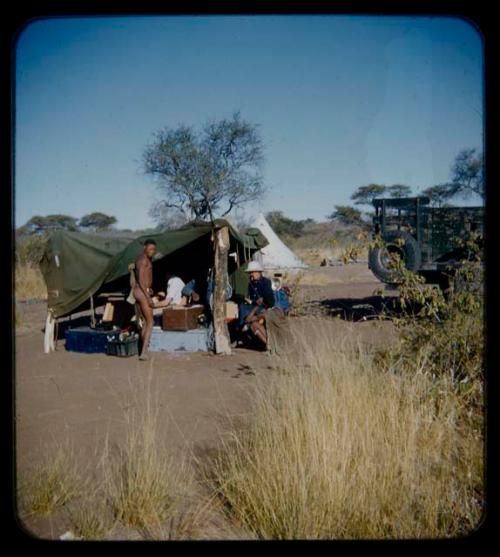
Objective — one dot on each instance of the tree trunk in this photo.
(221, 332)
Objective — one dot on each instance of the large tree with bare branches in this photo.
(208, 173)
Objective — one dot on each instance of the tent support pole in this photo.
(221, 332)
(92, 315)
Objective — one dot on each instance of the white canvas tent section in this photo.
(276, 255)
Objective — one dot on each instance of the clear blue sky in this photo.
(340, 101)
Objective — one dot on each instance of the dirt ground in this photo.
(80, 398)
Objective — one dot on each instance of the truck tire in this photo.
(409, 251)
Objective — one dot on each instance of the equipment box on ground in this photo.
(90, 341)
(181, 318)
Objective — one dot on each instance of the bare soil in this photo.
(82, 397)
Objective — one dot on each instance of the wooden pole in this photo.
(221, 280)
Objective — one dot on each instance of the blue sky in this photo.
(341, 101)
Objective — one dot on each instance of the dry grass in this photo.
(29, 283)
(91, 518)
(54, 482)
(144, 485)
(341, 449)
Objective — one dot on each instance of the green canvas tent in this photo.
(77, 266)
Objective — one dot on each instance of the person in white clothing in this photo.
(174, 288)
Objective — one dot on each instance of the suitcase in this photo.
(181, 318)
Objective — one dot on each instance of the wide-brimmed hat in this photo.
(254, 266)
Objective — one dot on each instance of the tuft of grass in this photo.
(143, 482)
(341, 447)
(29, 283)
(91, 518)
(54, 482)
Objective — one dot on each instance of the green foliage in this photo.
(285, 226)
(444, 335)
(40, 225)
(97, 221)
(364, 195)
(438, 194)
(214, 171)
(399, 190)
(346, 215)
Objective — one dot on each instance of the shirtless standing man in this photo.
(143, 293)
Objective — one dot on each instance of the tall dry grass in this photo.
(54, 481)
(341, 448)
(29, 283)
(144, 484)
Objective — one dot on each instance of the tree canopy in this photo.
(399, 190)
(97, 221)
(438, 194)
(467, 174)
(40, 225)
(346, 215)
(285, 226)
(207, 173)
(364, 195)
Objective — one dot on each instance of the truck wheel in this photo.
(396, 242)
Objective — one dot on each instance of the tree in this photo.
(166, 218)
(467, 174)
(40, 225)
(285, 226)
(438, 194)
(399, 190)
(207, 173)
(97, 221)
(364, 195)
(347, 215)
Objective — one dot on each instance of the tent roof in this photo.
(76, 265)
(275, 255)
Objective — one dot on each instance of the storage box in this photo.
(123, 348)
(90, 341)
(181, 318)
(195, 340)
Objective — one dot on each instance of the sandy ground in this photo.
(81, 398)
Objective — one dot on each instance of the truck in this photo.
(429, 240)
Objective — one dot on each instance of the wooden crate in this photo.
(181, 318)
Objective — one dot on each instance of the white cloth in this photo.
(174, 290)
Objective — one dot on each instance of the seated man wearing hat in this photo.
(260, 298)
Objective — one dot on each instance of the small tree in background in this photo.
(285, 226)
(364, 195)
(438, 194)
(467, 174)
(97, 221)
(399, 190)
(344, 214)
(208, 173)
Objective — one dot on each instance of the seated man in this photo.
(260, 298)
(175, 285)
(189, 292)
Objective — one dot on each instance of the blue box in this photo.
(195, 340)
(90, 341)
